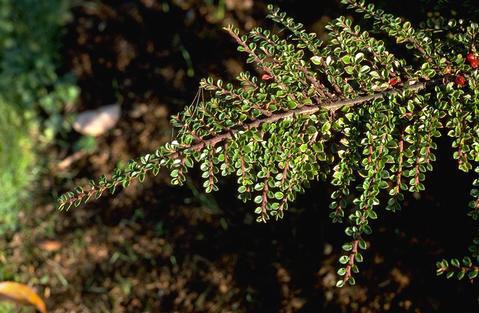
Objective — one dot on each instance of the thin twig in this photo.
(304, 110)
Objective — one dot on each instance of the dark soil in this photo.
(157, 248)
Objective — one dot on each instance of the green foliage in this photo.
(29, 46)
(347, 111)
(16, 159)
(29, 88)
(7, 307)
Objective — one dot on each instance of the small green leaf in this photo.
(473, 274)
(316, 60)
(348, 246)
(346, 59)
(362, 244)
(278, 195)
(344, 259)
(372, 214)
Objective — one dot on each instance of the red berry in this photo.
(472, 60)
(266, 77)
(474, 64)
(393, 81)
(460, 80)
(471, 57)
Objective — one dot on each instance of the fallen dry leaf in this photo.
(21, 294)
(97, 122)
(242, 5)
(50, 245)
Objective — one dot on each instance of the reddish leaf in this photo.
(393, 81)
(460, 80)
(266, 77)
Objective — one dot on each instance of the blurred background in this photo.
(158, 248)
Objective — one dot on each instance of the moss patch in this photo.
(16, 163)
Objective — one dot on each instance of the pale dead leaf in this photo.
(21, 294)
(97, 122)
(69, 160)
(50, 245)
(242, 5)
